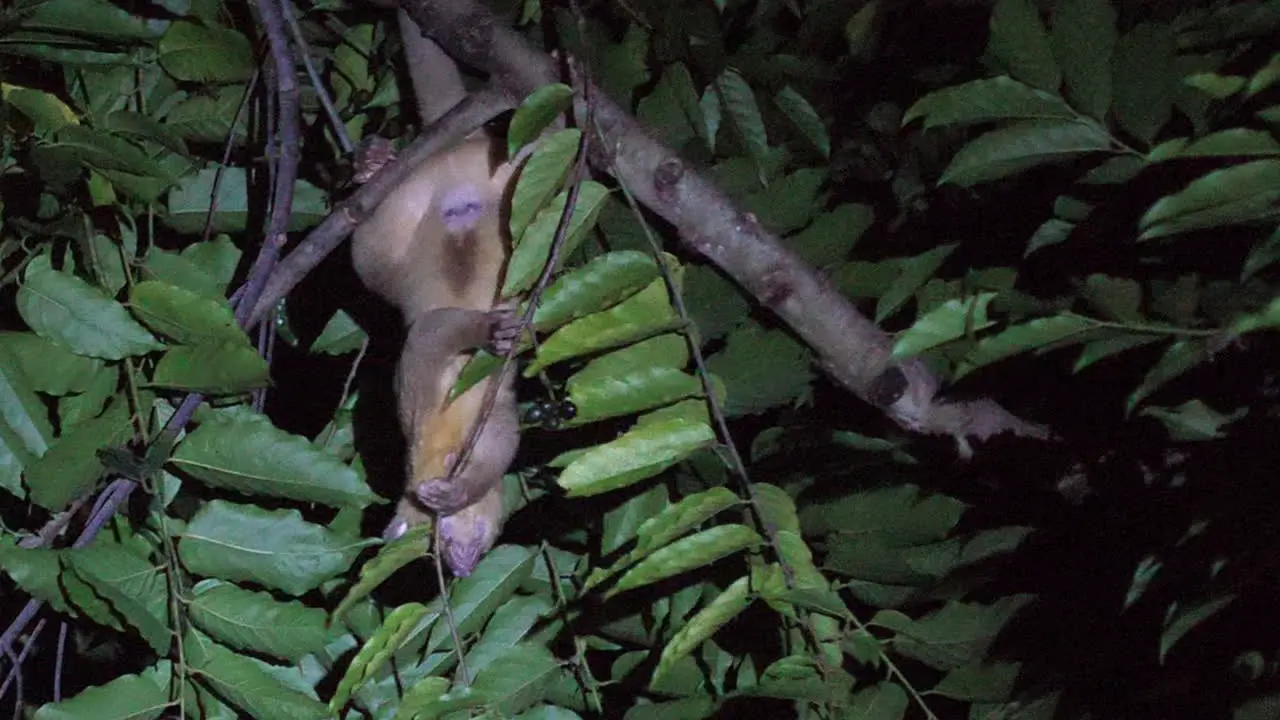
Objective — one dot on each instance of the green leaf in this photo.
(667, 525)
(979, 682)
(883, 701)
(1017, 339)
(955, 635)
(62, 308)
(1084, 36)
(1238, 194)
(980, 101)
(185, 316)
(511, 622)
(542, 177)
(1263, 255)
(251, 685)
(601, 283)
(800, 678)
(193, 202)
(341, 335)
(899, 514)
(377, 650)
(249, 454)
(517, 679)
(659, 440)
(536, 114)
(639, 377)
(276, 549)
(1193, 420)
(805, 118)
(212, 369)
(1116, 298)
(832, 235)
(1116, 171)
(739, 103)
(530, 256)
(1233, 142)
(47, 112)
(678, 519)
(789, 203)
(1144, 80)
(205, 54)
(622, 523)
(209, 116)
(697, 707)
(256, 621)
(25, 430)
(949, 321)
(136, 697)
(1181, 356)
(761, 369)
(430, 698)
(47, 366)
(715, 304)
(1187, 618)
(92, 18)
(476, 597)
(672, 109)
(71, 466)
(390, 558)
(136, 589)
(911, 274)
(725, 607)
(1011, 150)
(1019, 42)
(1108, 344)
(642, 315)
(688, 553)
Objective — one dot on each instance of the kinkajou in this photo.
(437, 249)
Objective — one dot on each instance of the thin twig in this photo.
(322, 93)
(438, 561)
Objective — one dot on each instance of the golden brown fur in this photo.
(436, 248)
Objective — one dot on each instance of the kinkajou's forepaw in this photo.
(505, 329)
(374, 153)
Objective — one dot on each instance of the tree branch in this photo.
(849, 347)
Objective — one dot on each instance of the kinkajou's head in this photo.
(468, 534)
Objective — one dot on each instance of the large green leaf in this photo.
(1010, 150)
(65, 309)
(247, 453)
(1237, 194)
(980, 101)
(1144, 80)
(274, 548)
(1018, 42)
(1084, 36)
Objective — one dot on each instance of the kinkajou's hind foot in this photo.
(374, 153)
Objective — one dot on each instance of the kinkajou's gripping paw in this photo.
(504, 331)
(374, 153)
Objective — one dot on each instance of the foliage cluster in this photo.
(641, 575)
